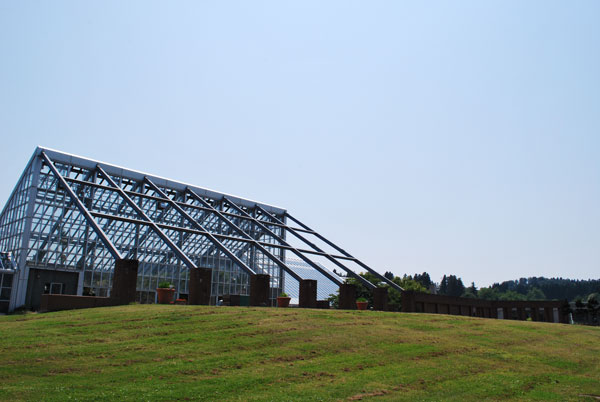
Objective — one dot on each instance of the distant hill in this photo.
(552, 288)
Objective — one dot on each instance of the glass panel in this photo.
(7, 282)
(56, 288)
(5, 294)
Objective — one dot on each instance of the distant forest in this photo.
(534, 288)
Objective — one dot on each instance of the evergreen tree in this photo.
(452, 286)
(424, 279)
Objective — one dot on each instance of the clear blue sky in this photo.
(449, 137)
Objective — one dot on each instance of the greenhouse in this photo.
(69, 218)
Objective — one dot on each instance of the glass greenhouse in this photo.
(69, 218)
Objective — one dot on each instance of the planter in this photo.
(165, 295)
(361, 305)
(283, 301)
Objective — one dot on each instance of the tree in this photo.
(469, 293)
(444, 286)
(512, 295)
(394, 297)
(535, 294)
(424, 279)
(488, 293)
(452, 286)
(389, 275)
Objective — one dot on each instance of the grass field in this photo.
(156, 352)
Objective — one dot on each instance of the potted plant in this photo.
(283, 300)
(165, 292)
(361, 303)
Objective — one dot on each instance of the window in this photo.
(56, 288)
(6, 280)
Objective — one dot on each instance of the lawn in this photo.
(157, 352)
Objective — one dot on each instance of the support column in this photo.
(259, 290)
(408, 302)
(199, 286)
(549, 314)
(124, 281)
(347, 299)
(380, 299)
(308, 293)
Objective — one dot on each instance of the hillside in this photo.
(155, 352)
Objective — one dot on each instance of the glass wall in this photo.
(62, 239)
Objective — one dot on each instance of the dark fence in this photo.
(547, 310)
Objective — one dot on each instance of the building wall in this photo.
(45, 231)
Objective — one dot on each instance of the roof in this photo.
(59, 156)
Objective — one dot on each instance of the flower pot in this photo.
(165, 295)
(361, 305)
(283, 301)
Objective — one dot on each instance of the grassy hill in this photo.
(155, 352)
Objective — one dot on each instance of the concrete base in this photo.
(347, 299)
(124, 281)
(380, 299)
(259, 290)
(199, 286)
(308, 293)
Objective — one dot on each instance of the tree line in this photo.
(533, 288)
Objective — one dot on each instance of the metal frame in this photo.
(329, 257)
(282, 241)
(346, 254)
(246, 236)
(86, 214)
(170, 226)
(214, 240)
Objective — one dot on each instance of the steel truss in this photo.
(80, 215)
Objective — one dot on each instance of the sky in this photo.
(448, 137)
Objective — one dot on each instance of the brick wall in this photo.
(71, 302)
(546, 310)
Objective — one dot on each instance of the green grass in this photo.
(155, 352)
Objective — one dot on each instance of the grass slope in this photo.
(155, 352)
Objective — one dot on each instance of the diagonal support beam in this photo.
(84, 211)
(241, 232)
(210, 237)
(178, 252)
(282, 241)
(365, 266)
(330, 258)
